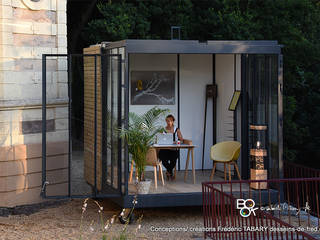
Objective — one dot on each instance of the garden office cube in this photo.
(217, 90)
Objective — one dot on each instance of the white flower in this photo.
(84, 207)
(101, 208)
(106, 226)
(112, 220)
(91, 229)
(122, 213)
(139, 227)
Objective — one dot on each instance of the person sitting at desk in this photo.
(169, 156)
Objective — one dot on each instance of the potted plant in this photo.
(139, 136)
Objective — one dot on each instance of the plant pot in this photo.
(143, 186)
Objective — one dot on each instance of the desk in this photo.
(190, 148)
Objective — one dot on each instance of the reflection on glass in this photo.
(262, 81)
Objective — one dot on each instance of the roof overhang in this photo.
(196, 47)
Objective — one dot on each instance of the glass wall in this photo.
(112, 106)
(262, 99)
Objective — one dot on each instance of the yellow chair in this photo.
(226, 153)
(152, 160)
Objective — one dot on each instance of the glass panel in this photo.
(91, 121)
(114, 109)
(112, 105)
(273, 118)
(57, 127)
(109, 123)
(121, 52)
(82, 118)
(262, 112)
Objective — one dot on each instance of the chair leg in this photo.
(225, 172)
(155, 176)
(213, 171)
(158, 166)
(175, 172)
(131, 172)
(229, 165)
(161, 174)
(236, 166)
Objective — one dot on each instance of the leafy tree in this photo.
(294, 23)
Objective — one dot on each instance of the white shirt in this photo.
(175, 132)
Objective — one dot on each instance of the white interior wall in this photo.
(157, 62)
(225, 80)
(195, 74)
(225, 83)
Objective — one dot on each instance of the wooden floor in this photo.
(179, 186)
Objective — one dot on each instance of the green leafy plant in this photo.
(140, 135)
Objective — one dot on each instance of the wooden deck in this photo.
(179, 186)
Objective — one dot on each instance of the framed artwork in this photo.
(152, 87)
(234, 100)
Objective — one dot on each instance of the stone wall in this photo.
(28, 29)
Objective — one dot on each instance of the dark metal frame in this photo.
(244, 119)
(235, 126)
(194, 47)
(280, 114)
(214, 129)
(175, 47)
(69, 123)
(173, 29)
(178, 86)
(111, 191)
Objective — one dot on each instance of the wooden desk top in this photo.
(172, 146)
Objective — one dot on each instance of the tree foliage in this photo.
(294, 23)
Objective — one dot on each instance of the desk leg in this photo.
(193, 170)
(187, 164)
(131, 172)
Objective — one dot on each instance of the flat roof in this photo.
(196, 47)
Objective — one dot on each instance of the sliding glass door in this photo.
(261, 77)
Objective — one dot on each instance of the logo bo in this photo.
(246, 207)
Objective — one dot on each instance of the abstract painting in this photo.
(152, 87)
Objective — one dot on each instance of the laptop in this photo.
(165, 138)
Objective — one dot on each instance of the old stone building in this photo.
(28, 29)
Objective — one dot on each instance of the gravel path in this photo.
(63, 222)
